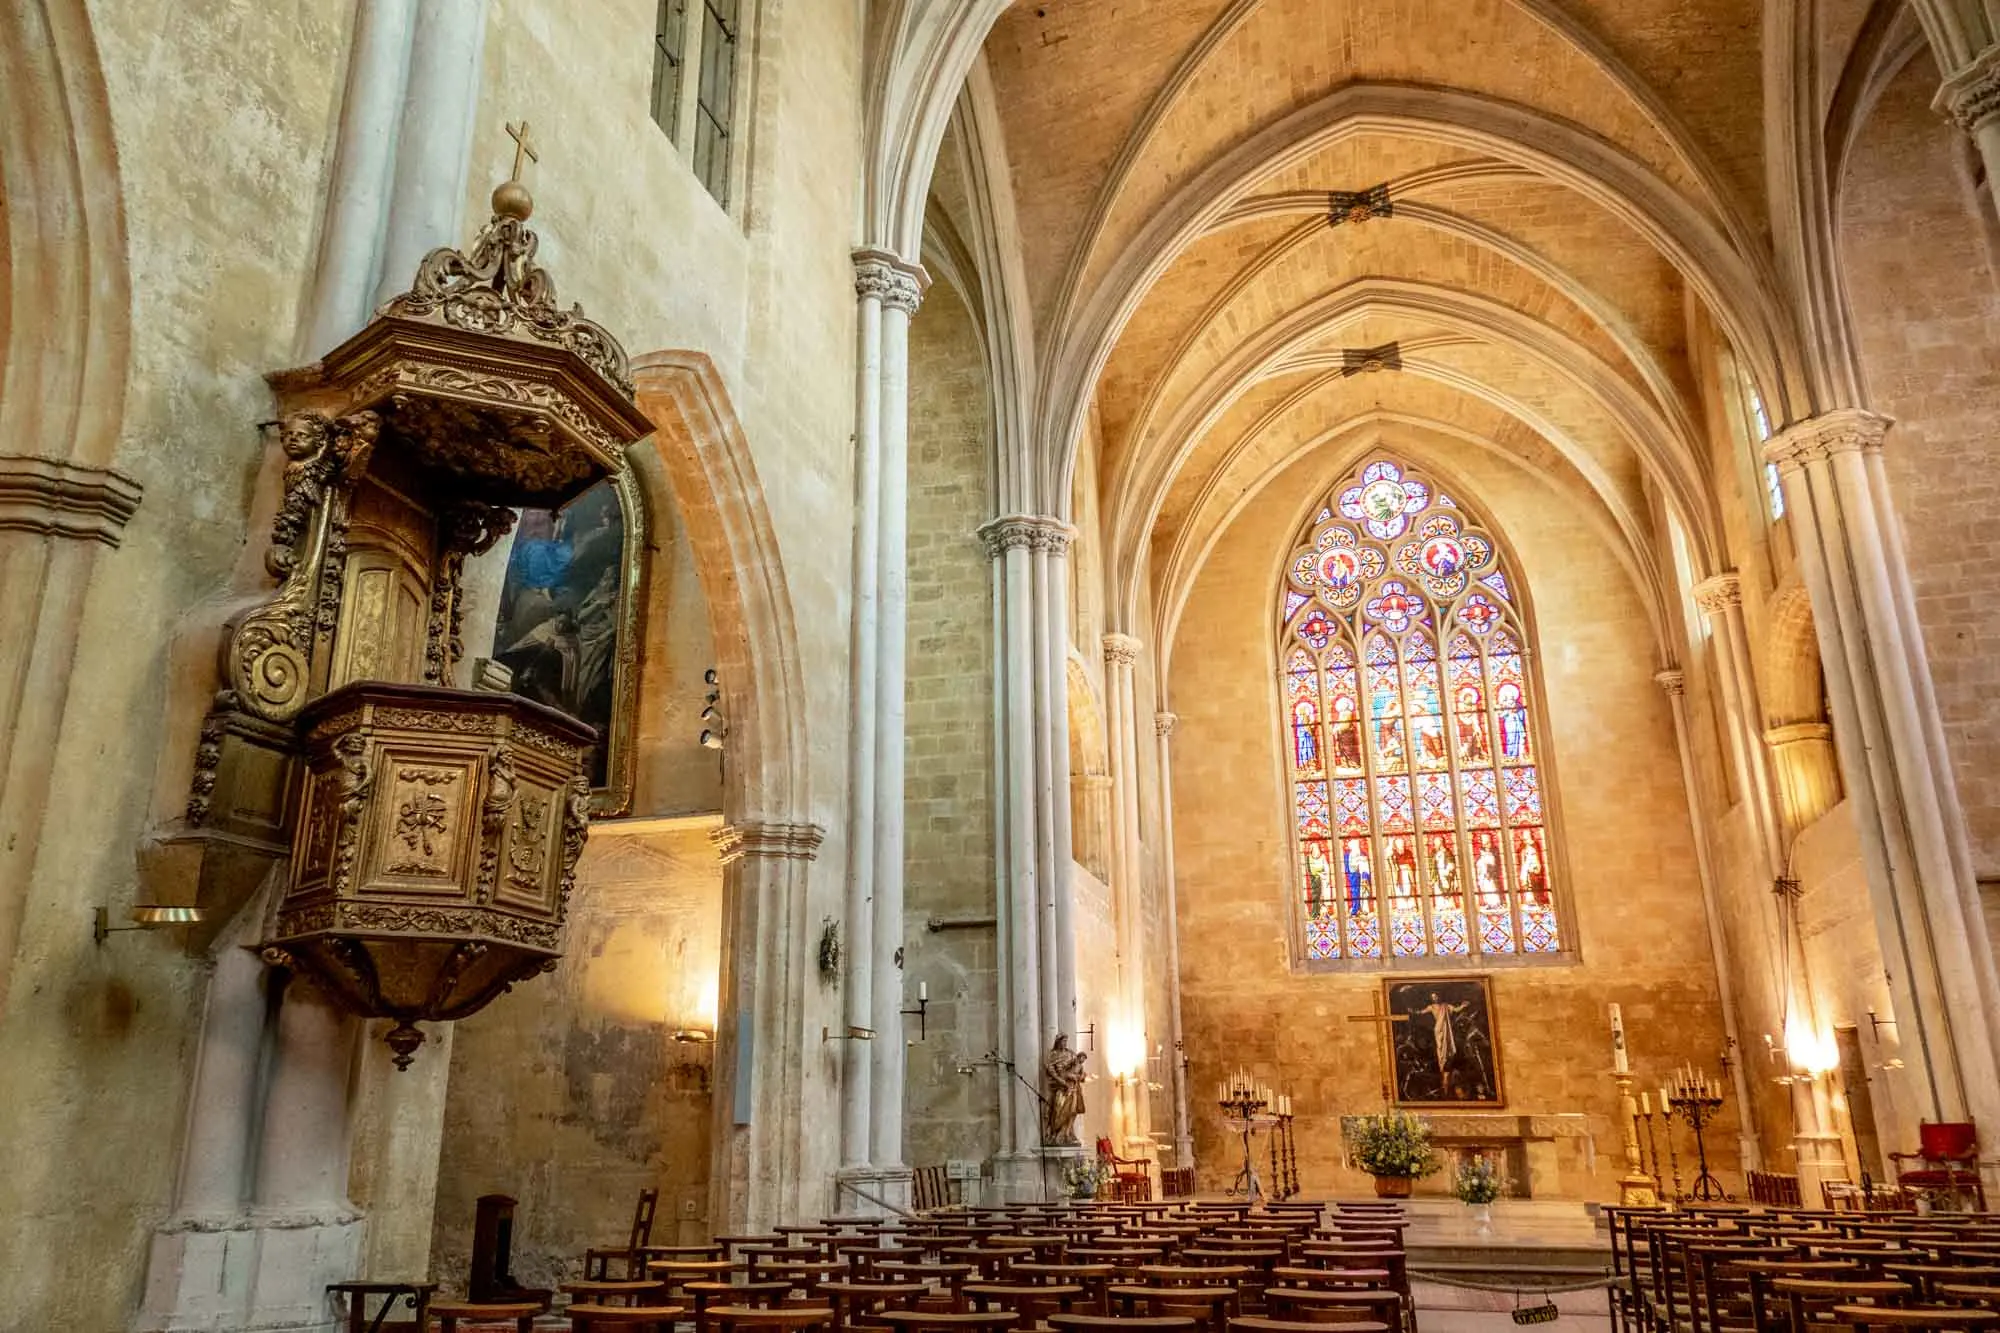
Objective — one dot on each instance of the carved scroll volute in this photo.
(268, 655)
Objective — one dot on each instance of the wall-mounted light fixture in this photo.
(717, 731)
(149, 917)
(696, 1036)
(922, 1011)
(853, 1032)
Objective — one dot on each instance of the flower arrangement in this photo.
(1081, 1178)
(1393, 1145)
(1478, 1182)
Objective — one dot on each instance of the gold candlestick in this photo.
(1635, 1187)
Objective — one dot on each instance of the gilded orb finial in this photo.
(511, 198)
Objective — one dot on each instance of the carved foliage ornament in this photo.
(1026, 532)
(499, 288)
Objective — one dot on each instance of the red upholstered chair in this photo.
(1128, 1185)
(1948, 1159)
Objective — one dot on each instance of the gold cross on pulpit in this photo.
(1383, 1021)
(522, 148)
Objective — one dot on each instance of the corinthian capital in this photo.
(1971, 97)
(1720, 593)
(885, 278)
(1030, 531)
(1819, 438)
(1121, 649)
(1673, 682)
(1164, 723)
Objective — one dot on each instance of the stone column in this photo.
(1163, 729)
(1121, 655)
(901, 292)
(1675, 685)
(1721, 601)
(1971, 97)
(364, 164)
(763, 1175)
(1052, 706)
(874, 276)
(1894, 763)
(433, 139)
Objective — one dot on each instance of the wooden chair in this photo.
(1303, 1305)
(1930, 1317)
(1947, 1158)
(1261, 1324)
(588, 1315)
(1811, 1301)
(414, 1295)
(597, 1263)
(948, 1321)
(1097, 1323)
(1127, 1185)
(782, 1319)
(1214, 1306)
(521, 1313)
(1033, 1303)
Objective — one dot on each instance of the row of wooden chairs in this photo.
(1767, 1270)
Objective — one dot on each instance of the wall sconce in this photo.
(1876, 1024)
(149, 917)
(698, 1036)
(922, 1009)
(853, 1032)
(717, 730)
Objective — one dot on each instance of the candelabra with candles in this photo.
(1245, 1104)
(1692, 1097)
(1284, 1151)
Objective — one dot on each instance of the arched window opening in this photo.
(1760, 423)
(1412, 737)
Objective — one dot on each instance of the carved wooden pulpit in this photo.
(431, 832)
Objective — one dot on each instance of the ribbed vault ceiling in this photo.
(1566, 179)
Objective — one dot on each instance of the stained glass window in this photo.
(1411, 736)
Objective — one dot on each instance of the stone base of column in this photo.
(1820, 1160)
(871, 1191)
(1026, 1177)
(243, 1274)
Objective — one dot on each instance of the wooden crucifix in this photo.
(1384, 1022)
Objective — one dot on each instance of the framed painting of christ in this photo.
(1444, 1042)
(568, 622)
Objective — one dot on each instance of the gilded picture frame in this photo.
(569, 621)
(1444, 1042)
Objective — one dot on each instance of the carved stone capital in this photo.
(1031, 532)
(1720, 593)
(1971, 97)
(59, 499)
(1673, 682)
(881, 276)
(756, 837)
(1121, 649)
(1819, 438)
(1164, 723)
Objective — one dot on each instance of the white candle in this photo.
(1645, 1103)
(1666, 1102)
(923, 991)
(1619, 1063)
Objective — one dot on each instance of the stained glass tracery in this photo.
(1415, 761)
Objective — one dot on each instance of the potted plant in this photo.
(1477, 1184)
(1395, 1148)
(1081, 1178)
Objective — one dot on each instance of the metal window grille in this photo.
(669, 45)
(715, 96)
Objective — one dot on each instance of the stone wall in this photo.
(1615, 778)
(224, 117)
(948, 858)
(576, 1095)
